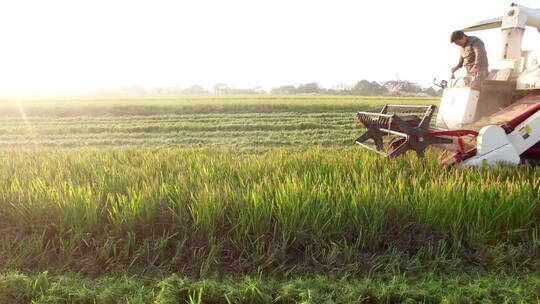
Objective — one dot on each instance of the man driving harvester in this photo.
(473, 56)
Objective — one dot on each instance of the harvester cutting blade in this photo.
(398, 129)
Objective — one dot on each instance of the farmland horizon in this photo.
(360, 88)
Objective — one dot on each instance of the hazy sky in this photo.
(244, 43)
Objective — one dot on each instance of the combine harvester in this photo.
(499, 124)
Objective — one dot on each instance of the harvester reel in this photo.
(410, 132)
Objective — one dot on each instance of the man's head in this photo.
(459, 38)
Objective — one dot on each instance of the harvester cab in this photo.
(499, 123)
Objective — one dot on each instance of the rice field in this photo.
(270, 189)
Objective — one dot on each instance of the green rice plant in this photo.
(206, 209)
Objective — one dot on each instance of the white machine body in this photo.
(529, 78)
(457, 107)
(495, 146)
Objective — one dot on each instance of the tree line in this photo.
(362, 88)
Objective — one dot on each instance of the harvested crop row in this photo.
(245, 131)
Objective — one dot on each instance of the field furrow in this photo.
(247, 131)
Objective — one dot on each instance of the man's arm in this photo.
(460, 62)
(459, 65)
